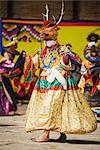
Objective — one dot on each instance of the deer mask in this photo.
(49, 28)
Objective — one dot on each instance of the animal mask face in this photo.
(49, 31)
(49, 28)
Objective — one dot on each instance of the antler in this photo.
(47, 11)
(54, 18)
(62, 12)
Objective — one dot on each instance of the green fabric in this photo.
(29, 77)
(44, 84)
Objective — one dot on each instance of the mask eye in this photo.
(68, 47)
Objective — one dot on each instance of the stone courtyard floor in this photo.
(14, 137)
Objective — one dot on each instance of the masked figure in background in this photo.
(7, 95)
(76, 62)
(56, 103)
(90, 70)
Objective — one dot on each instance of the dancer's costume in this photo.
(56, 103)
(23, 77)
(7, 95)
(91, 69)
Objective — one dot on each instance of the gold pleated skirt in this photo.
(61, 111)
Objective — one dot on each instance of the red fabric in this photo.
(28, 68)
(17, 71)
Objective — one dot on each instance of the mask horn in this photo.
(62, 13)
(47, 13)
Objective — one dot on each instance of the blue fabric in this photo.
(92, 59)
(0, 36)
(70, 53)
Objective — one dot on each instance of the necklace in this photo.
(52, 57)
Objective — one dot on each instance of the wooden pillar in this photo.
(9, 8)
(75, 10)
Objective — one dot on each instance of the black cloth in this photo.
(9, 89)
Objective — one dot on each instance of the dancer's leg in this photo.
(42, 138)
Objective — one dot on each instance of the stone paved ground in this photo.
(14, 137)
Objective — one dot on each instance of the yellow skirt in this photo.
(65, 112)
